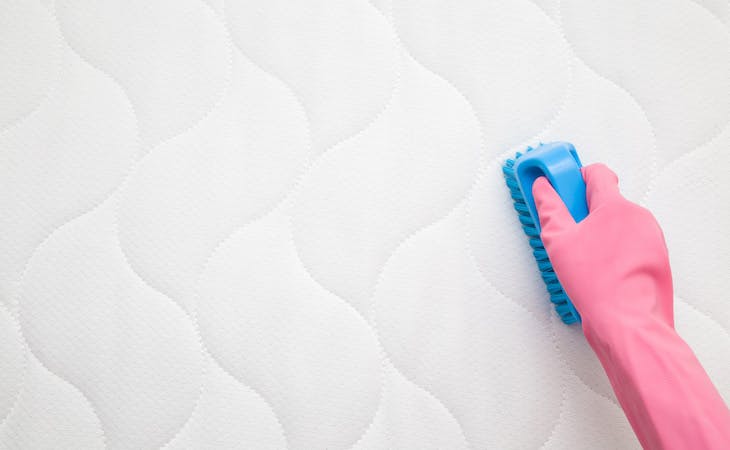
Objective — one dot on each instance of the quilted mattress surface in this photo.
(282, 224)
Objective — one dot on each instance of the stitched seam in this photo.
(93, 409)
(256, 392)
(23, 369)
(466, 196)
(710, 13)
(406, 238)
(346, 138)
(704, 313)
(298, 180)
(194, 124)
(652, 185)
(51, 88)
(373, 327)
(111, 192)
(654, 152)
(190, 317)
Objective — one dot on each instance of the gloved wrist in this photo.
(614, 267)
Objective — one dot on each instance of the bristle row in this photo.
(557, 294)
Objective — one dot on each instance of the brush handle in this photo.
(559, 163)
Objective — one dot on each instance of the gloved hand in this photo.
(614, 266)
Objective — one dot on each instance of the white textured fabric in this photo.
(282, 224)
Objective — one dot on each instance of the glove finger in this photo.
(554, 215)
(601, 185)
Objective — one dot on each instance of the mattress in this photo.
(271, 224)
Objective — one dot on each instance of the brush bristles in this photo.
(557, 295)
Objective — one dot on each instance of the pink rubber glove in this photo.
(614, 266)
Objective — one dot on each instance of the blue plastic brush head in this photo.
(559, 163)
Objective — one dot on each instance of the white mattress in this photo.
(272, 224)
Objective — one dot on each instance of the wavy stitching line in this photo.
(411, 235)
(486, 279)
(563, 385)
(327, 154)
(489, 282)
(710, 13)
(310, 165)
(20, 283)
(193, 315)
(406, 238)
(190, 318)
(687, 155)
(389, 366)
(480, 154)
(344, 139)
(557, 346)
(220, 94)
(376, 329)
(550, 123)
(654, 166)
(123, 183)
(704, 313)
(465, 443)
(569, 92)
(86, 398)
(21, 280)
(90, 404)
(358, 314)
(489, 167)
(240, 381)
(499, 158)
(298, 183)
(213, 358)
(95, 205)
(256, 392)
(384, 354)
(311, 275)
(386, 14)
(383, 389)
(18, 121)
(52, 87)
(194, 124)
(232, 43)
(23, 369)
(611, 400)
(301, 172)
(655, 170)
(284, 197)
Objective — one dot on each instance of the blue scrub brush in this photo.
(559, 162)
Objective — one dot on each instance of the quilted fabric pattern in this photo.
(270, 224)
